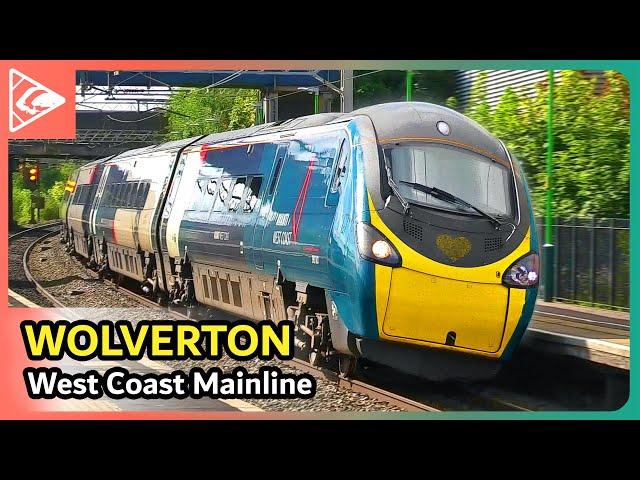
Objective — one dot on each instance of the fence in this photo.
(591, 261)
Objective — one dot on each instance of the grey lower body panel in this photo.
(431, 364)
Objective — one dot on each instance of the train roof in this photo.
(93, 163)
(406, 120)
(274, 127)
(172, 145)
(392, 121)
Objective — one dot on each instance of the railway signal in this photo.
(31, 176)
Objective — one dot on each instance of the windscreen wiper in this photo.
(394, 186)
(451, 198)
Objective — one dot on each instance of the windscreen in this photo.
(478, 180)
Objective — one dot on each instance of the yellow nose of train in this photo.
(427, 303)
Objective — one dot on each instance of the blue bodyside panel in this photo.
(288, 228)
(352, 278)
(211, 231)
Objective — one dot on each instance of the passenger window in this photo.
(236, 194)
(196, 196)
(121, 191)
(223, 193)
(276, 174)
(212, 186)
(207, 198)
(341, 166)
(105, 196)
(132, 189)
(122, 195)
(143, 191)
(251, 197)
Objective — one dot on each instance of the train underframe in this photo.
(305, 305)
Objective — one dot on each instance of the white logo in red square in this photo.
(29, 100)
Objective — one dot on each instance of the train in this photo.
(399, 234)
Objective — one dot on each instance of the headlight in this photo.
(524, 272)
(375, 247)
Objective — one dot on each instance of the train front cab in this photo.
(463, 316)
(445, 302)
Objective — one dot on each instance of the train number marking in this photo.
(217, 235)
(282, 219)
(282, 238)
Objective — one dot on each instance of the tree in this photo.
(52, 181)
(591, 140)
(204, 111)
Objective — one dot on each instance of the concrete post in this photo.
(346, 85)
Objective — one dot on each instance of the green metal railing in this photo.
(590, 261)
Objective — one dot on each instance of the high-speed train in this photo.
(401, 233)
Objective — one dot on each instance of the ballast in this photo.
(160, 339)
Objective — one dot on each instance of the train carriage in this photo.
(77, 225)
(127, 210)
(399, 232)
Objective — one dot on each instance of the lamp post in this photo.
(548, 247)
(409, 82)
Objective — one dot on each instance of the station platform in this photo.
(597, 335)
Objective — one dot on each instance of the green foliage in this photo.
(204, 111)
(52, 181)
(451, 102)
(591, 140)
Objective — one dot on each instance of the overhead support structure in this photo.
(346, 87)
(88, 79)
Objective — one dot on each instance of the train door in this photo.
(265, 210)
(299, 221)
(179, 197)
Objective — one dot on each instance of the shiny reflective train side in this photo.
(399, 233)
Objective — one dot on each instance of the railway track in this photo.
(20, 245)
